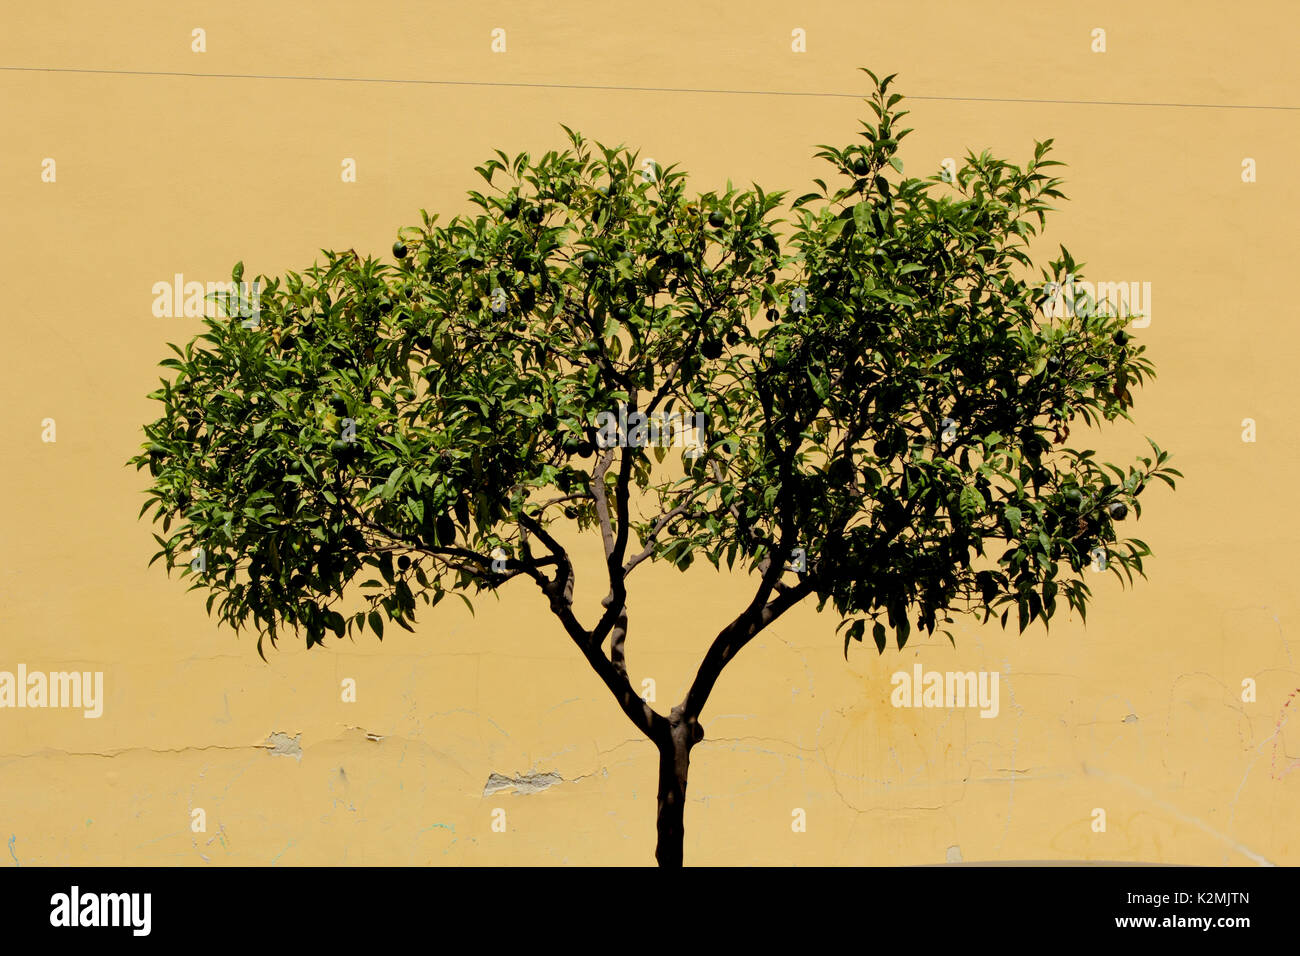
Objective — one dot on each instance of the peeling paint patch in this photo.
(13, 838)
(1131, 719)
(953, 855)
(282, 745)
(523, 783)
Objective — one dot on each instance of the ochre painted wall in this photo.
(1140, 714)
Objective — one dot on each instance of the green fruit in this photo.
(717, 220)
(399, 249)
(1120, 337)
(733, 337)
(338, 404)
(1117, 510)
(773, 315)
(570, 512)
(860, 166)
(424, 342)
(589, 261)
(1072, 496)
(385, 305)
(535, 215)
(622, 313)
(584, 449)
(512, 210)
(711, 348)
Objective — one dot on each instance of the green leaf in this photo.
(902, 629)
(334, 621)
(878, 634)
(854, 633)
(862, 216)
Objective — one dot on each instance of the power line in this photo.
(636, 89)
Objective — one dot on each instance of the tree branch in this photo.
(733, 638)
(559, 591)
(615, 549)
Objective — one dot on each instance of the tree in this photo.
(887, 396)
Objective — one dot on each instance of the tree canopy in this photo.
(887, 407)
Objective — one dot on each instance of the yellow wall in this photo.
(1141, 714)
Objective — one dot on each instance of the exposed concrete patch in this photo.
(954, 854)
(1131, 719)
(523, 783)
(282, 745)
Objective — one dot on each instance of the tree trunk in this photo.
(674, 761)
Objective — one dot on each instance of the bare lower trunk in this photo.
(674, 762)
